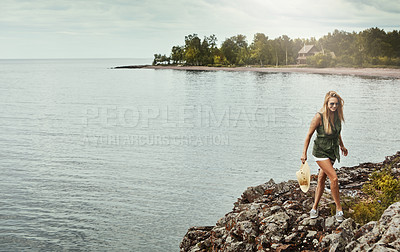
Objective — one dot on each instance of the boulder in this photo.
(383, 235)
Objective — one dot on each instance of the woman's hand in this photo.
(303, 158)
(344, 151)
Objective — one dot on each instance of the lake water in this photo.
(94, 158)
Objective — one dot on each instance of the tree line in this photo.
(370, 47)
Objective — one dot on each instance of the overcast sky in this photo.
(138, 29)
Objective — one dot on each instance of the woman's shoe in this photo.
(313, 214)
(339, 216)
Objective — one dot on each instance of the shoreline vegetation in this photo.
(372, 52)
(366, 72)
(369, 48)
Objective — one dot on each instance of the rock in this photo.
(382, 248)
(195, 235)
(253, 193)
(337, 241)
(289, 238)
(311, 224)
(275, 217)
(384, 234)
(330, 222)
(311, 233)
(236, 246)
(246, 215)
(275, 226)
(365, 229)
(286, 247)
(349, 225)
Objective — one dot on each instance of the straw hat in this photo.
(303, 176)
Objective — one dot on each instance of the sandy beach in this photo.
(369, 72)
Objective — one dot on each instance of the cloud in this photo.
(389, 6)
(154, 25)
(105, 16)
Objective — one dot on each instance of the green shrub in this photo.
(320, 60)
(382, 191)
(365, 212)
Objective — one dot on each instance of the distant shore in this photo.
(369, 72)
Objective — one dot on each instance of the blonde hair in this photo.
(328, 115)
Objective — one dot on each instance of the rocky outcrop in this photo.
(382, 235)
(274, 217)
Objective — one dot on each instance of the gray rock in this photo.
(278, 218)
(275, 209)
(236, 246)
(382, 248)
(195, 249)
(328, 240)
(246, 215)
(385, 231)
(289, 238)
(356, 247)
(245, 230)
(348, 224)
(337, 242)
(311, 224)
(365, 229)
(275, 246)
(219, 232)
(272, 231)
(391, 234)
(311, 233)
(330, 222)
(395, 244)
(282, 188)
(275, 226)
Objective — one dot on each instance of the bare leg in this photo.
(328, 169)
(320, 188)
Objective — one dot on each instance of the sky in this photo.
(36, 29)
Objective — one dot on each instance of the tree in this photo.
(177, 54)
(287, 45)
(192, 49)
(229, 50)
(208, 47)
(371, 46)
(157, 59)
(393, 38)
(260, 49)
(235, 49)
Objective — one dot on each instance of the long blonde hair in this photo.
(327, 115)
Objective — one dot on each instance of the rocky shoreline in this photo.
(366, 72)
(274, 217)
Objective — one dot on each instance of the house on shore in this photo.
(306, 51)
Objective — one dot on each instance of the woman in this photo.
(328, 123)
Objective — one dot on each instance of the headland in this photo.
(366, 72)
(274, 217)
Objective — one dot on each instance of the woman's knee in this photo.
(334, 180)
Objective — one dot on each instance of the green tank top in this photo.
(327, 146)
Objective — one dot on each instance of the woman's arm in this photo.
(316, 121)
(344, 150)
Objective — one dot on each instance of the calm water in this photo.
(99, 159)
